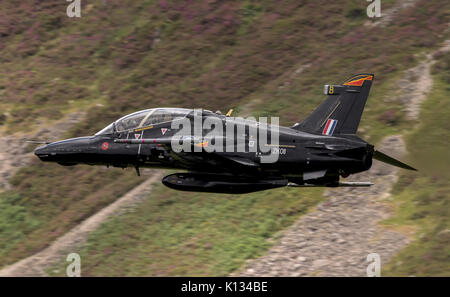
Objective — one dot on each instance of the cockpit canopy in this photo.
(145, 118)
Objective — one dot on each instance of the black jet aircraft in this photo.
(315, 152)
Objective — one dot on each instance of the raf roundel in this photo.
(105, 146)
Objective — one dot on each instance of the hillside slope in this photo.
(127, 55)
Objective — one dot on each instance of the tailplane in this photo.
(341, 112)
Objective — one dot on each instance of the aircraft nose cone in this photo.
(42, 152)
(64, 151)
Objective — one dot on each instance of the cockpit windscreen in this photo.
(145, 118)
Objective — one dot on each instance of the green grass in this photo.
(15, 222)
(422, 200)
(52, 200)
(175, 233)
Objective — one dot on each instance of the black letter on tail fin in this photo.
(341, 112)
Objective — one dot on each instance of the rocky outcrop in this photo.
(335, 239)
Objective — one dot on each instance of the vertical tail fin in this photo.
(341, 112)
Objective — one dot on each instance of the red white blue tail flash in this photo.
(329, 127)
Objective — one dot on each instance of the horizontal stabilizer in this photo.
(377, 155)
